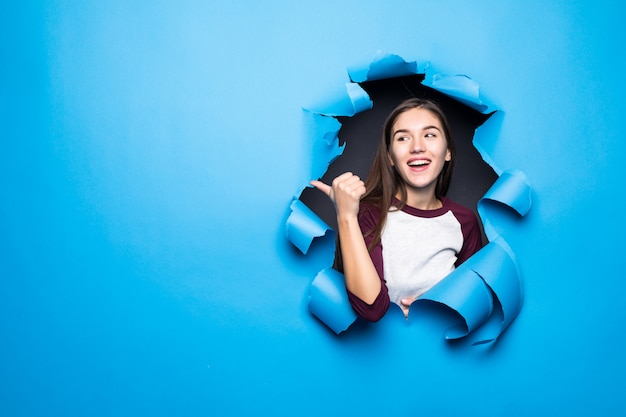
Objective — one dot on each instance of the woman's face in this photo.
(418, 149)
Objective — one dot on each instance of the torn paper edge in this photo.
(328, 300)
(303, 225)
(510, 190)
(326, 142)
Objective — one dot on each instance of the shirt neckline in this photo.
(424, 213)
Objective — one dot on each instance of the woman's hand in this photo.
(345, 193)
(405, 303)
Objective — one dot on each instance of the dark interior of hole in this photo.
(361, 133)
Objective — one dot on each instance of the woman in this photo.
(398, 233)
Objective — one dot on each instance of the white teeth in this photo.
(418, 163)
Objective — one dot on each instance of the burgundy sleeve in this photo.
(472, 237)
(368, 218)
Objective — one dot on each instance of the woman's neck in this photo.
(421, 199)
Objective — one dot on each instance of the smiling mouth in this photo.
(419, 163)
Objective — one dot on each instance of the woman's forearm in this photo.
(361, 276)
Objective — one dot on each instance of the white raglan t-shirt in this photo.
(417, 249)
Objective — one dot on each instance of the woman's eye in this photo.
(431, 135)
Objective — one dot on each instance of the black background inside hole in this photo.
(472, 176)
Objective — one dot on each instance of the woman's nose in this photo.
(417, 145)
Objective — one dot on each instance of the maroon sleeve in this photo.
(472, 237)
(368, 218)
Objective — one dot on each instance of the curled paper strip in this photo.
(328, 300)
(303, 225)
(510, 190)
(461, 87)
(486, 289)
(489, 278)
(465, 292)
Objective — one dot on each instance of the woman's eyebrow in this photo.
(395, 132)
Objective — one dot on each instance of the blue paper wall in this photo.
(149, 155)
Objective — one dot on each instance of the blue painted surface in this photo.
(149, 155)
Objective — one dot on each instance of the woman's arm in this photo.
(362, 279)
